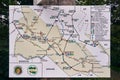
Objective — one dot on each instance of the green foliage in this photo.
(12, 2)
(90, 2)
(115, 47)
(4, 65)
(22, 2)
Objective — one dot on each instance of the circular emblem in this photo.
(18, 70)
(32, 70)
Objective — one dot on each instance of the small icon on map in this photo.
(18, 70)
(32, 70)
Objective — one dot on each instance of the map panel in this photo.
(59, 41)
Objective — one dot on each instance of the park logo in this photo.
(18, 70)
(32, 70)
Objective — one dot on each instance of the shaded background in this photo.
(115, 34)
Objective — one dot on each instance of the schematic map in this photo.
(59, 41)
